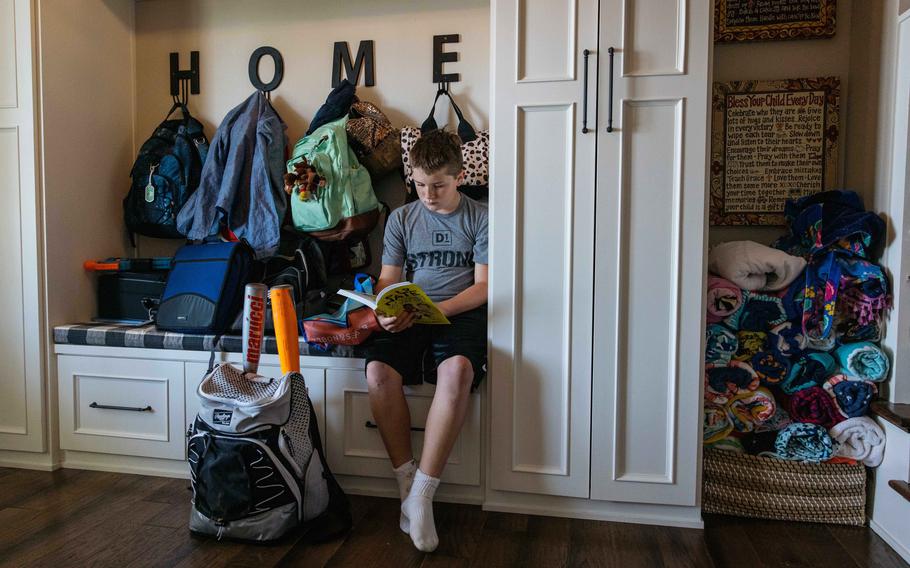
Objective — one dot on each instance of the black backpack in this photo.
(164, 175)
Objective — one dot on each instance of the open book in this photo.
(397, 298)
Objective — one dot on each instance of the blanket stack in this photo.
(792, 360)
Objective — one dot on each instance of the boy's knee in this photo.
(382, 376)
(455, 372)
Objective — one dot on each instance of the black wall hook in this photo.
(184, 81)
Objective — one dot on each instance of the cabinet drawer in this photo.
(354, 446)
(121, 406)
(315, 382)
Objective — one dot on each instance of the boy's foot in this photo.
(417, 509)
(404, 474)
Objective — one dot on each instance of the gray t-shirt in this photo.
(437, 251)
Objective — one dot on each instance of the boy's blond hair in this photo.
(437, 150)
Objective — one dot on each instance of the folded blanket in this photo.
(860, 439)
(830, 220)
(853, 287)
(788, 339)
(804, 442)
(779, 421)
(770, 366)
(851, 397)
(821, 343)
(728, 444)
(864, 292)
(748, 408)
(720, 344)
(849, 330)
(750, 343)
(721, 383)
(758, 312)
(717, 423)
(813, 405)
(724, 298)
(863, 360)
(758, 443)
(810, 370)
(753, 266)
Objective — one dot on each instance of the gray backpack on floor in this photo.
(256, 461)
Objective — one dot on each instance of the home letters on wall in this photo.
(771, 141)
(757, 20)
(343, 65)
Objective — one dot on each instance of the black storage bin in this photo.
(129, 296)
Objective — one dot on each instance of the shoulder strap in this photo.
(465, 131)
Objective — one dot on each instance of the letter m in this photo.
(365, 57)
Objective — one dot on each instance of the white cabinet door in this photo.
(541, 238)
(21, 335)
(121, 406)
(650, 265)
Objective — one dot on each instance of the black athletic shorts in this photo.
(417, 351)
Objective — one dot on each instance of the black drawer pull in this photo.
(374, 426)
(111, 407)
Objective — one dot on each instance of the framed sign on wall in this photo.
(758, 20)
(771, 141)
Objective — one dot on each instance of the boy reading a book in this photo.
(438, 242)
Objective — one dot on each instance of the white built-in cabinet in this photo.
(598, 242)
(21, 383)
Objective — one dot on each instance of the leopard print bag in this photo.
(475, 151)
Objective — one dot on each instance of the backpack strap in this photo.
(465, 131)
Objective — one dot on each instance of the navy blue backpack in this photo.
(166, 172)
(204, 289)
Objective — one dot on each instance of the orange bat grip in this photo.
(284, 317)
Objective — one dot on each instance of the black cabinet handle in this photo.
(584, 104)
(374, 426)
(610, 51)
(111, 407)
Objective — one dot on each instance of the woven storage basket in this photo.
(766, 488)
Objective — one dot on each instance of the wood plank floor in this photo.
(86, 518)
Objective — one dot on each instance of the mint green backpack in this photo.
(331, 194)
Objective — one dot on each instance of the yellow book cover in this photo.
(397, 298)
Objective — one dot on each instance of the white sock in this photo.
(418, 509)
(404, 474)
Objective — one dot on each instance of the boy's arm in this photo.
(391, 274)
(387, 276)
(469, 298)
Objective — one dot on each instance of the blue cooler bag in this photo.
(204, 290)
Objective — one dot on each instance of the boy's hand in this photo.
(396, 324)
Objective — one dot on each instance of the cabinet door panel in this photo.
(542, 202)
(649, 260)
(21, 336)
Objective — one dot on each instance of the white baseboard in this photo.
(126, 464)
(28, 460)
(551, 506)
(897, 545)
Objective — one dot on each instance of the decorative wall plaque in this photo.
(771, 141)
(758, 20)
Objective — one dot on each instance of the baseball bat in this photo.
(284, 317)
(253, 325)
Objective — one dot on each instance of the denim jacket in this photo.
(242, 180)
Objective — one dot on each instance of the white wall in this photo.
(226, 32)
